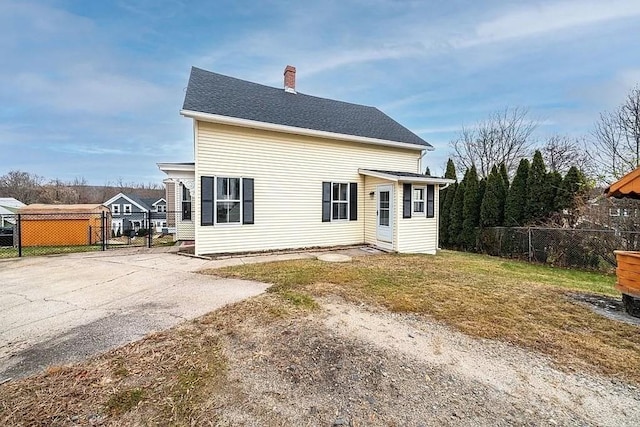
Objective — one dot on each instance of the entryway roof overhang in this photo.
(399, 176)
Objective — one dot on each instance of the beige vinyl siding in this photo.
(288, 171)
(417, 234)
(170, 193)
(371, 207)
(185, 230)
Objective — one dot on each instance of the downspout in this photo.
(424, 153)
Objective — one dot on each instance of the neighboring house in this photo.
(62, 225)
(276, 169)
(130, 212)
(8, 210)
(179, 193)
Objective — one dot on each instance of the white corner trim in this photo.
(233, 121)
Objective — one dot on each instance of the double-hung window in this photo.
(418, 200)
(115, 209)
(126, 209)
(228, 201)
(340, 201)
(186, 204)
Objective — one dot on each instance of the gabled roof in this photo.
(131, 198)
(219, 95)
(627, 186)
(399, 176)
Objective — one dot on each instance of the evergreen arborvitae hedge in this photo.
(490, 208)
(446, 201)
(455, 216)
(517, 196)
(470, 210)
(538, 189)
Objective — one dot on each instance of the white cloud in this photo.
(543, 18)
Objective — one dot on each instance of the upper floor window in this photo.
(126, 209)
(115, 209)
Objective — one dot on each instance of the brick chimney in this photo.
(290, 79)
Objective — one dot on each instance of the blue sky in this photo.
(93, 89)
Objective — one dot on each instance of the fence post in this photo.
(150, 231)
(530, 246)
(19, 235)
(103, 223)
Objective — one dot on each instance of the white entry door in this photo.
(385, 213)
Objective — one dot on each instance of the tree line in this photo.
(534, 196)
(31, 188)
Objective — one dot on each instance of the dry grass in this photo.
(168, 378)
(162, 379)
(482, 296)
(180, 377)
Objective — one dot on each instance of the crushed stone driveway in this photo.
(61, 309)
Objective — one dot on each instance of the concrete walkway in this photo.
(60, 309)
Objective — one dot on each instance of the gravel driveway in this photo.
(61, 309)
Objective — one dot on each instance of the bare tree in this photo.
(21, 185)
(505, 137)
(615, 145)
(560, 152)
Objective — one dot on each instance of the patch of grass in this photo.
(47, 250)
(300, 300)
(165, 377)
(483, 296)
(124, 401)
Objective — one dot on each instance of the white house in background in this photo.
(8, 209)
(277, 169)
(179, 189)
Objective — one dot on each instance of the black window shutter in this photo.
(353, 201)
(206, 200)
(406, 200)
(326, 201)
(247, 200)
(430, 201)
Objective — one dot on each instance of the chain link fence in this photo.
(48, 233)
(578, 248)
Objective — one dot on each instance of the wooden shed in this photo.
(628, 269)
(63, 225)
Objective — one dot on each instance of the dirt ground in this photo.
(356, 366)
(265, 363)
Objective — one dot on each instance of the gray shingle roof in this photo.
(214, 93)
(403, 174)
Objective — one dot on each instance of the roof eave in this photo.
(176, 167)
(395, 178)
(234, 121)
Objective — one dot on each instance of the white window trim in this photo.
(124, 210)
(215, 203)
(347, 202)
(423, 212)
(181, 201)
(115, 207)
